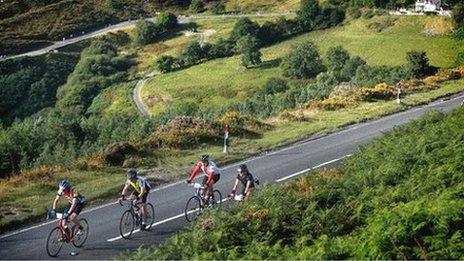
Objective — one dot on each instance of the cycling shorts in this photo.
(215, 179)
(143, 197)
(77, 209)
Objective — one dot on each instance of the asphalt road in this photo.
(181, 19)
(169, 200)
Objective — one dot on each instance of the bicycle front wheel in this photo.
(127, 224)
(193, 208)
(217, 199)
(55, 242)
(150, 216)
(80, 235)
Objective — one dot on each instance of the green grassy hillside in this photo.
(224, 81)
(398, 197)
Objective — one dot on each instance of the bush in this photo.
(146, 32)
(197, 6)
(303, 61)
(165, 63)
(249, 47)
(287, 27)
(184, 132)
(309, 15)
(419, 63)
(381, 24)
(166, 21)
(243, 27)
(332, 104)
(336, 59)
(380, 92)
(222, 48)
(217, 7)
(193, 53)
(269, 33)
(273, 86)
(459, 60)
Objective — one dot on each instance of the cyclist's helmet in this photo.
(132, 174)
(64, 185)
(204, 159)
(242, 168)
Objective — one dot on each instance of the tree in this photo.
(166, 21)
(303, 61)
(165, 63)
(145, 32)
(244, 26)
(269, 33)
(197, 6)
(308, 14)
(418, 63)
(249, 47)
(337, 58)
(193, 53)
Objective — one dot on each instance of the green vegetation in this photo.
(248, 46)
(407, 205)
(29, 84)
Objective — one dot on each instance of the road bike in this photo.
(65, 234)
(132, 218)
(196, 204)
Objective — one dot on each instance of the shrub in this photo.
(303, 61)
(336, 58)
(269, 33)
(193, 53)
(309, 15)
(459, 60)
(197, 6)
(332, 104)
(273, 86)
(184, 132)
(146, 32)
(165, 63)
(166, 21)
(243, 27)
(249, 47)
(287, 27)
(217, 7)
(380, 92)
(418, 63)
(350, 67)
(222, 48)
(438, 26)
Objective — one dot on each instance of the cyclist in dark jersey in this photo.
(247, 181)
(75, 205)
(141, 189)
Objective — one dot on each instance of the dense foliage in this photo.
(303, 61)
(408, 205)
(248, 46)
(29, 84)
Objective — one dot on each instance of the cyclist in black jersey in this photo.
(247, 181)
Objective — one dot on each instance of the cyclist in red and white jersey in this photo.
(212, 174)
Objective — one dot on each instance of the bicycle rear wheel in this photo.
(55, 242)
(150, 216)
(217, 199)
(127, 224)
(193, 208)
(80, 235)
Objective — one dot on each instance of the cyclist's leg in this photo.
(75, 213)
(143, 198)
(248, 195)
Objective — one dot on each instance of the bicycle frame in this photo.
(69, 234)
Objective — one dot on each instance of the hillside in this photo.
(27, 25)
(385, 48)
(408, 205)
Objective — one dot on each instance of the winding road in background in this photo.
(181, 19)
(169, 200)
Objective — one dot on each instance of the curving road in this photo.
(104, 241)
(181, 19)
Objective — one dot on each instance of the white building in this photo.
(428, 6)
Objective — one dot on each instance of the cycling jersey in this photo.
(139, 184)
(71, 194)
(245, 178)
(212, 171)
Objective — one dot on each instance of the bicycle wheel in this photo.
(127, 224)
(193, 208)
(80, 236)
(150, 216)
(55, 242)
(217, 199)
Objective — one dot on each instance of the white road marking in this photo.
(159, 223)
(312, 168)
(259, 157)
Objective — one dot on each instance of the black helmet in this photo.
(204, 159)
(132, 174)
(242, 168)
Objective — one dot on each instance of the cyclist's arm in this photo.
(235, 185)
(210, 179)
(195, 171)
(124, 190)
(73, 206)
(248, 187)
(55, 201)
